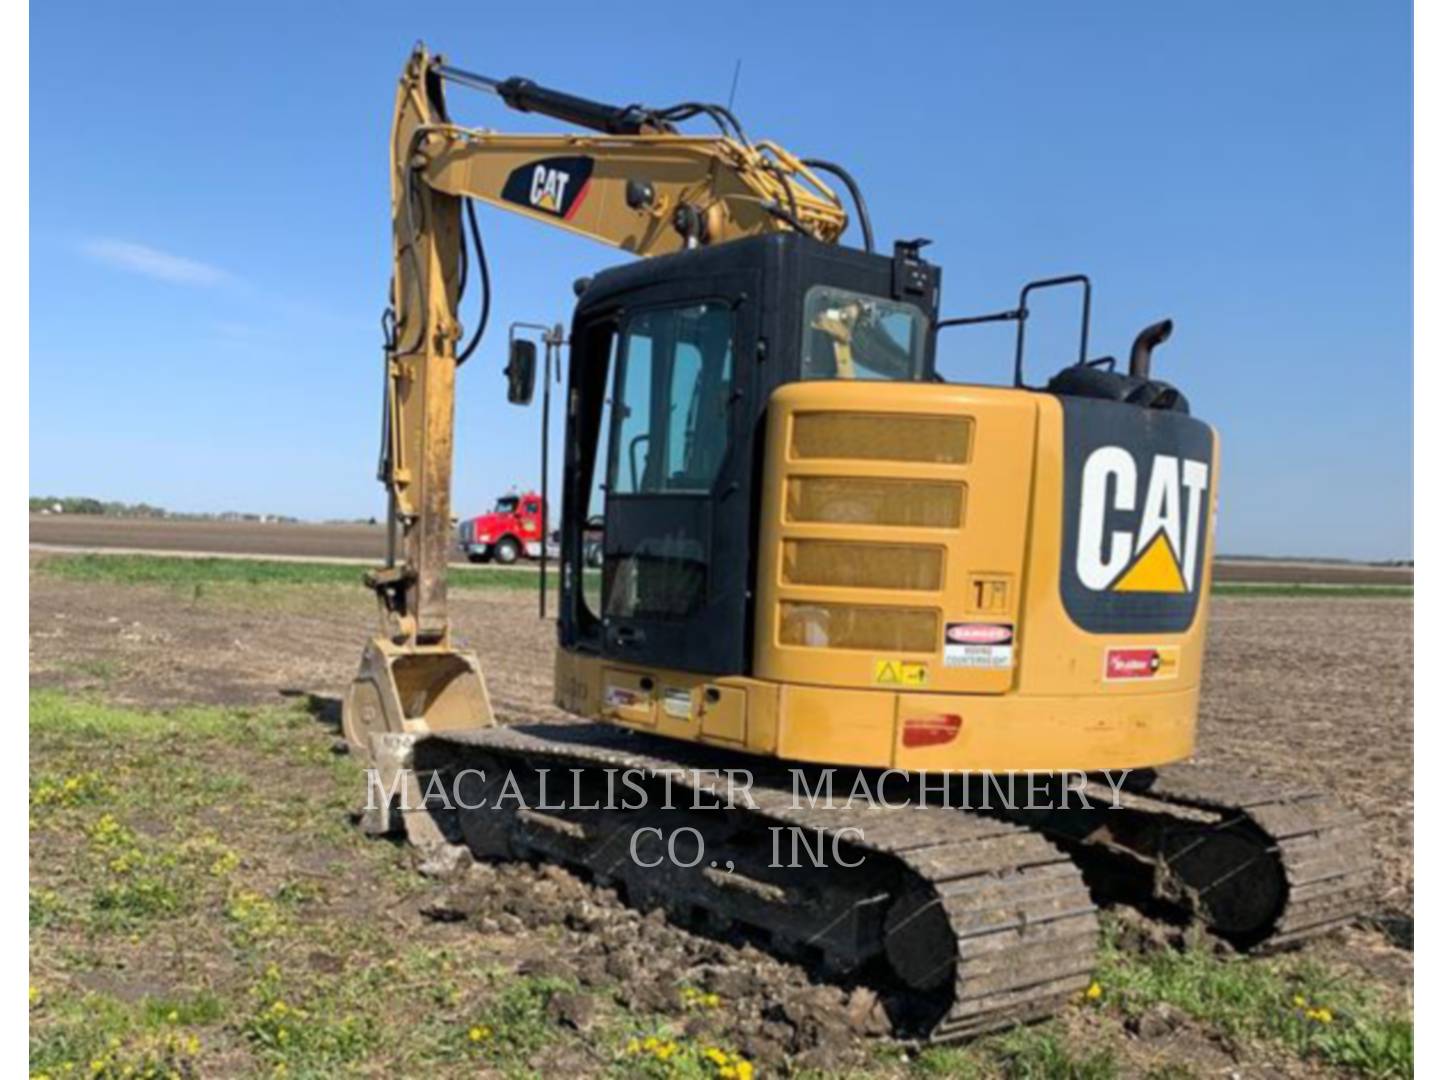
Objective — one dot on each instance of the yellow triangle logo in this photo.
(1156, 570)
(546, 202)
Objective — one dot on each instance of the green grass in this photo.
(1024, 1053)
(66, 723)
(198, 573)
(224, 834)
(1315, 1012)
(1309, 591)
(201, 905)
(195, 574)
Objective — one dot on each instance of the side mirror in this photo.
(521, 372)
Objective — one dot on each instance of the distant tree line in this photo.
(71, 504)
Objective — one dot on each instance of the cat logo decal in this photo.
(555, 186)
(1160, 554)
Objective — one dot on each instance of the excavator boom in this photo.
(631, 181)
(645, 194)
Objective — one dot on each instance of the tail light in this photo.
(930, 730)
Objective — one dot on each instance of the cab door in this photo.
(677, 527)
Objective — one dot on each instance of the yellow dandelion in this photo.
(172, 1017)
(1299, 1000)
(744, 1070)
(1321, 1015)
(1093, 991)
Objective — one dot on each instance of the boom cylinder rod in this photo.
(524, 95)
(467, 78)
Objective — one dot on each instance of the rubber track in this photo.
(1328, 861)
(1023, 923)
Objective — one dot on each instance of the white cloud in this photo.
(152, 262)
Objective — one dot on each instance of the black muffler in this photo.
(1145, 343)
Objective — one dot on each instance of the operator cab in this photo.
(673, 360)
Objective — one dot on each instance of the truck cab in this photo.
(512, 529)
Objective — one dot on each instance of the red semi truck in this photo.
(506, 533)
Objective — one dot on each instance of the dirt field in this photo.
(368, 542)
(1317, 691)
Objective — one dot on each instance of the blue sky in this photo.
(209, 248)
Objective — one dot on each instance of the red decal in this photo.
(579, 198)
(930, 730)
(1131, 663)
(979, 633)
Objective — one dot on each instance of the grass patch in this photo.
(121, 792)
(514, 1025)
(70, 720)
(1314, 1012)
(187, 573)
(1023, 1053)
(200, 905)
(101, 1037)
(1308, 591)
(314, 1036)
(196, 575)
(225, 834)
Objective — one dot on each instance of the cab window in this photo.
(850, 335)
(672, 419)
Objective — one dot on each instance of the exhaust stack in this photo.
(1145, 343)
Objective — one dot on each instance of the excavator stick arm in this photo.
(630, 181)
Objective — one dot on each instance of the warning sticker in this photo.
(979, 645)
(621, 697)
(901, 673)
(1130, 662)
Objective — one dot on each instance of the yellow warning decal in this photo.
(1156, 570)
(901, 673)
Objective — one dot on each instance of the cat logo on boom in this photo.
(547, 188)
(555, 186)
(1161, 554)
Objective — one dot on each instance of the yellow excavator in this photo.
(824, 565)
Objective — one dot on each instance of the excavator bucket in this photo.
(414, 689)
